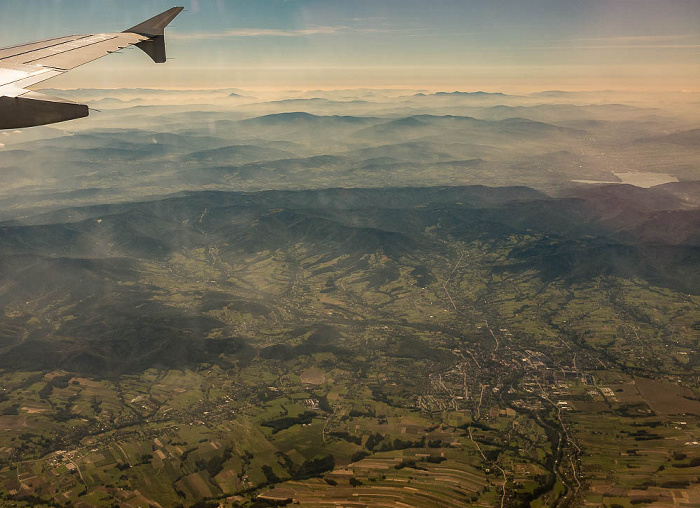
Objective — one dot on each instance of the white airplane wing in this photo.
(28, 64)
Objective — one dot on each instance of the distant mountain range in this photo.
(171, 141)
(689, 138)
(466, 94)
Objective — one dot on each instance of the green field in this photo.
(475, 389)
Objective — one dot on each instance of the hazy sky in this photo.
(495, 45)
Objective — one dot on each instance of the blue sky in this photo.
(439, 44)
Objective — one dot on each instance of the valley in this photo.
(445, 345)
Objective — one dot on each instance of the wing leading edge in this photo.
(28, 64)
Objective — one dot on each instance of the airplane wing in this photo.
(28, 64)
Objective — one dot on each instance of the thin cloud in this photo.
(257, 32)
(679, 41)
(634, 40)
(276, 32)
(618, 46)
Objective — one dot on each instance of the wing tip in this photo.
(154, 29)
(156, 25)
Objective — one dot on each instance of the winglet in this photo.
(154, 29)
(156, 25)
